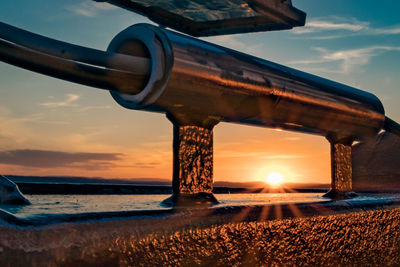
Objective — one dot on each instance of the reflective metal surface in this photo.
(198, 84)
(215, 17)
(210, 82)
(73, 63)
(201, 83)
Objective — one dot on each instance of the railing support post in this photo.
(341, 169)
(192, 180)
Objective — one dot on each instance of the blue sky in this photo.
(353, 42)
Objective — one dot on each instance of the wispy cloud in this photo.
(227, 40)
(331, 24)
(320, 25)
(89, 8)
(236, 42)
(392, 30)
(94, 108)
(347, 59)
(68, 102)
(50, 159)
(338, 27)
(54, 159)
(102, 5)
(144, 165)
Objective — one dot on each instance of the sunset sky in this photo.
(54, 127)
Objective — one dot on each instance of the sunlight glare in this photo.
(274, 178)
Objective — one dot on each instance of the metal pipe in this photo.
(101, 69)
(207, 81)
(133, 64)
(195, 81)
(392, 126)
(108, 79)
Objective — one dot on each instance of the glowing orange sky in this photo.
(241, 153)
(73, 130)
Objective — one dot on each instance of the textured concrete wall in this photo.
(369, 238)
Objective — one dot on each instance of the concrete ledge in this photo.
(221, 237)
(218, 215)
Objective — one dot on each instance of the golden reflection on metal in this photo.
(217, 81)
(196, 77)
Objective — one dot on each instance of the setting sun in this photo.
(274, 178)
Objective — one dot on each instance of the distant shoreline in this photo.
(131, 189)
(107, 186)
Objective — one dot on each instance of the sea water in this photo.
(75, 204)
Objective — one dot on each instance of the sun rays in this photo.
(274, 179)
